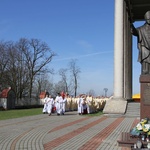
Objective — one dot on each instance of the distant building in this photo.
(7, 99)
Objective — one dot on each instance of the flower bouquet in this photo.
(142, 129)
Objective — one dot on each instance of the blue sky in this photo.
(74, 29)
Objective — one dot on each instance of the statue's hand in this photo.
(133, 30)
(132, 26)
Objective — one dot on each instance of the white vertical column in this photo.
(118, 104)
(118, 50)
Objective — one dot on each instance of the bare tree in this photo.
(91, 92)
(4, 59)
(63, 74)
(58, 87)
(12, 72)
(37, 56)
(75, 70)
(15, 74)
(22, 62)
(43, 83)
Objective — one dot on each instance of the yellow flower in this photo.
(148, 133)
(144, 121)
(139, 126)
(146, 127)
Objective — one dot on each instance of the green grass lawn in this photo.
(95, 114)
(17, 113)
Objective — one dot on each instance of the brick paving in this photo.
(68, 132)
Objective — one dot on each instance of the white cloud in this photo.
(82, 56)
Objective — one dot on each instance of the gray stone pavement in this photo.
(68, 132)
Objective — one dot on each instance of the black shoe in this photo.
(58, 114)
(49, 114)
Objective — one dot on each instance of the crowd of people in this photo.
(83, 107)
(58, 104)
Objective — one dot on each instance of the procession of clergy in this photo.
(58, 105)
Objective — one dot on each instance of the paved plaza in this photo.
(68, 132)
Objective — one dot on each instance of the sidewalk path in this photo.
(68, 132)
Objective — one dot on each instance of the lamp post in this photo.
(105, 90)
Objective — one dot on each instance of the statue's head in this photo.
(147, 17)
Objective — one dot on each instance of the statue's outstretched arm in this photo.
(134, 30)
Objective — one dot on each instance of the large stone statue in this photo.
(143, 39)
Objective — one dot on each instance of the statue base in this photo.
(115, 106)
(145, 96)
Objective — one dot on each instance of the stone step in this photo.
(133, 109)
